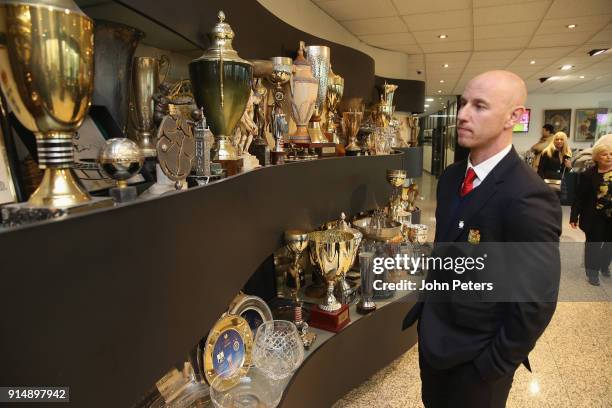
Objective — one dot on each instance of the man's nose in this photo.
(462, 114)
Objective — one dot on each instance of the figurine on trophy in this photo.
(297, 241)
(243, 135)
(280, 128)
(259, 147)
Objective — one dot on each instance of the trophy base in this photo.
(231, 167)
(261, 150)
(24, 213)
(277, 157)
(353, 152)
(365, 307)
(123, 194)
(330, 321)
(326, 149)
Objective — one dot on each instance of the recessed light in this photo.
(429, 99)
(427, 106)
(597, 51)
(566, 67)
(443, 36)
(439, 91)
(441, 81)
(532, 62)
(571, 26)
(581, 77)
(445, 65)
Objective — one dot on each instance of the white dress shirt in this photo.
(483, 169)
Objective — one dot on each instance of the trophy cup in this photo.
(366, 262)
(351, 121)
(145, 81)
(318, 56)
(343, 291)
(410, 192)
(221, 86)
(46, 67)
(297, 241)
(335, 90)
(120, 159)
(396, 210)
(385, 107)
(304, 90)
(282, 68)
(334, 252)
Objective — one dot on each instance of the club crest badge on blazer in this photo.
(474, 236)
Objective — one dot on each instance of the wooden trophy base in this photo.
(277, 157)
(330, 321)
(231, 167)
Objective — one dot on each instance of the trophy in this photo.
(200, 174)
(410, 192)
(145, 81)
(335, 90)
(297, 241)
(366, 263)
(176, 149)
(385, 107)
(396, 210)
(417, 235)
(334, 251)
(318, 56)
(282, 68)
(343, 291)
(120, 159)
(221, 86)
(280, 127)
(304, 90)
(259, 148)
(351, 121)
(46, 71)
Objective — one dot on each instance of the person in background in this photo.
(555, 157)
(536, 149)
(592, 211)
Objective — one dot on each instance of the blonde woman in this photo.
(592, 211)
(555, 157)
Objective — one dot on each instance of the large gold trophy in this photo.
(46, 73)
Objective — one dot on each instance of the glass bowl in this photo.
(278, 349)
(253, 390)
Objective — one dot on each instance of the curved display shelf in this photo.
(106, 302)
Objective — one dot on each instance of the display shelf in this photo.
(106, 302)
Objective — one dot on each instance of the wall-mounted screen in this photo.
(523, 125)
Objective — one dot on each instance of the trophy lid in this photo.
(221, 38)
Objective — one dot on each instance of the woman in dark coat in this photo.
(555, 158)
(592, 211)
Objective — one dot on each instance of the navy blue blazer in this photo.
(511, 205)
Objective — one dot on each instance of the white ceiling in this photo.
(489, 34)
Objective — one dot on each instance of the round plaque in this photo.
(227, 353)
(251, 308)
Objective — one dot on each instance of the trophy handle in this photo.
(164, 60)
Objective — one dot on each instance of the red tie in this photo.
(468, 182)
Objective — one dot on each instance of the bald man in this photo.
(469, 349)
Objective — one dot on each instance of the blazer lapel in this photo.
(448, 195)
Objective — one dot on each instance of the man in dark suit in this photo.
(469, 350)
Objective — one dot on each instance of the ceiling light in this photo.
(597, 51)
(566, 67)
(443, 36)
(429, 99)
(581, 76)
(439, 91)
(441, 81)
(571, 26)
(445, 65)
(532, 62)
(427, 106)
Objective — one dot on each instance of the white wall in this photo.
(306, 16)
(539, 103)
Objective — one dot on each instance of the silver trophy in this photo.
(145, 81)
(366, 263)
(318, 56)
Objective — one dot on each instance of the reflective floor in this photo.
(572, 361)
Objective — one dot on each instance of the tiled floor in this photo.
(572, 361)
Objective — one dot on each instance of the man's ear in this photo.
(515, 117)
